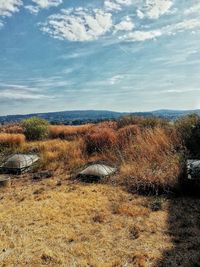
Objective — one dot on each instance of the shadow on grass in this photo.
(184, 230)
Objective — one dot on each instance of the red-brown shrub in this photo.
(108, 124)
(100, 139)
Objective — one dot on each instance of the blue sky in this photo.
(122, 55)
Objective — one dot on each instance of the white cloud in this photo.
(32, 9)
(7, 8)
(19, 92)
(116, 5)
(78, 24)
(110, 5)
(173, 29)
(140, 14)
(115, 79)
(41, 4)
(141, 35)
(125, 25)
(193, 9)
(190, 24)
(47, 3)
(153, 9)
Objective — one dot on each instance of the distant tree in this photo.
(35, 128)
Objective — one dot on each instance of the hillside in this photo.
(85, 116)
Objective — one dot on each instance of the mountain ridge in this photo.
(84, 116)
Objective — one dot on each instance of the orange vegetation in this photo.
(11, 139)
(68, 132)
(99, 139)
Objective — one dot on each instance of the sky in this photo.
(121, 55)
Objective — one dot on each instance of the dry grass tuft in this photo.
(99, 139)
(57, 155)
(12, 129)
(11, 140)
(68, 132)
(126, 135)
(150, 162)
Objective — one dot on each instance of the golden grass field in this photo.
(139, 217)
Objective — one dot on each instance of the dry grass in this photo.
(74, 225)
(12, 129)
(100, 139)
(58, 155)
(68, 132)
(11, 139)
(147, 155)
(151, 162)
(126, 135)
(59, 223)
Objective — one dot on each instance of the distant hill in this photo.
(84, 116)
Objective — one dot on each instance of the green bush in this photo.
(188, 129)
(35, 128)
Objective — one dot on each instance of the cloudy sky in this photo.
(123, 55)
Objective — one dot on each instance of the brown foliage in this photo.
(127, 134)
(100, 139)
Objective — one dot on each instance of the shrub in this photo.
(35, 128)
(100, 139)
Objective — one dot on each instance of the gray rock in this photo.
(193, 169)
(19, 163)
(100, 170)
(96, 171)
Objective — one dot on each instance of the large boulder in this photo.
(19, 163)
(96, 171)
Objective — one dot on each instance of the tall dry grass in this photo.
(68, 132)
(99, 139)
(11, 139)
(57, 155)
(151, 162)
(12, 129)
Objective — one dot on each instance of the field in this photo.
(141, 216)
